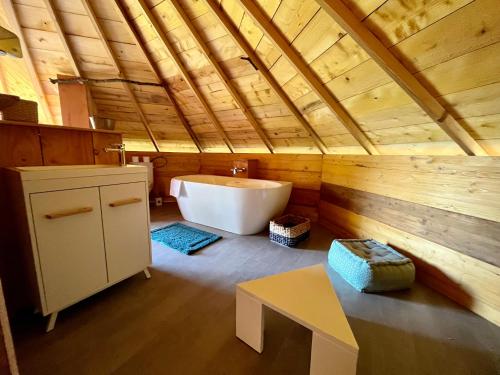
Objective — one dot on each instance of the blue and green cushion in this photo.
(370, 266)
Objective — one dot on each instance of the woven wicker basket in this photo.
(289, 230)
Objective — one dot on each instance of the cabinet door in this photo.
(70, 243)
(126, 229)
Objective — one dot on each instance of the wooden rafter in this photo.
(407, 81)
(49, 4)
(262, 69)
(116, 64)
(223, 75)
(275, 35)
(13, 20)
(156, 71)
(184, 72)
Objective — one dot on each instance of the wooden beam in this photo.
(262, 69)
(56, 19)
(13, 20)
(156, 71)
(407, 81)
(116, 64)
(223, 76)
(73, 99)
(275, 35)
(49, 4)
(184, 72)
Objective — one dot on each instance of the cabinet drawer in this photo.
(126, 229)
(70, 244)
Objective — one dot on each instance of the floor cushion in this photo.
(370, 266)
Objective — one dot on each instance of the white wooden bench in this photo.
(307, 297)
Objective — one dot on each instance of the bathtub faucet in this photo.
(237, 170)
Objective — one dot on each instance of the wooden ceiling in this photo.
(323, 76)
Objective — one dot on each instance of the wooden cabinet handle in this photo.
(124, 202)
(71, 212)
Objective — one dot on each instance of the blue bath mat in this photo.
(183, 238)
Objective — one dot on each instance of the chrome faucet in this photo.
(120, 148)
(237, 170)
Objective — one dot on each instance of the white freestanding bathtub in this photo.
(238, 205)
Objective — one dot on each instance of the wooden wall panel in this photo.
(441, 211)
(167, 166)
(19, 145)
(304, 171)
(476, 237)
(74, 103)
(467, 185)
(102, 140)
(66, 147)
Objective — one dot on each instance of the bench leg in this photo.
(249, 321)
(328, 357)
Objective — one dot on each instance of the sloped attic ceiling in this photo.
(452, 48)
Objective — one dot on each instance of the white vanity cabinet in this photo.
(82, 229)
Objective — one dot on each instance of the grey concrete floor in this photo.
(182, 320)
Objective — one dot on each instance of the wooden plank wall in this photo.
(170, 165)
(303, 170)
(444, 212)
(23, 144)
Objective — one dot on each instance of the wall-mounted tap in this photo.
(120, 148)
(236, 170)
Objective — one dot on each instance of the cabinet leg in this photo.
(52, 321)
(146, 273)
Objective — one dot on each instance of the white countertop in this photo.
(70, 171)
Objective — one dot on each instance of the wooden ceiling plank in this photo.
(401, 75)
(222, 75)
(184, 72)
(114, 59)
(245, 46)
(156, 71)
(13, 20)
(277, 38)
